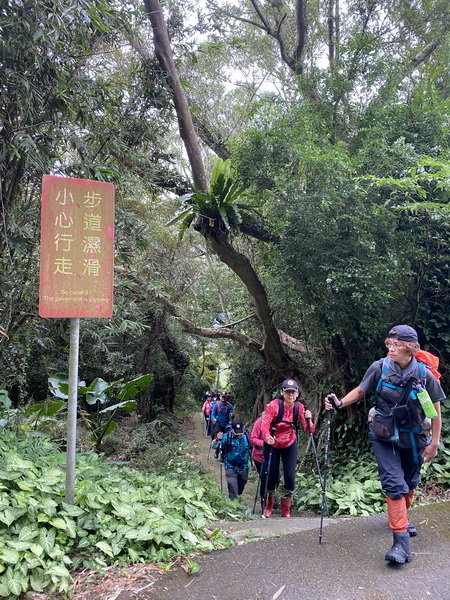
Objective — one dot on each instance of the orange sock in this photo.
(397, 517)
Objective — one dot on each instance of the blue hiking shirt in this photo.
(221, 411)
(236, 452)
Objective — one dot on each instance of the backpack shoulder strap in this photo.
(384, 371)
(422, 372)
(295, 413)
(280, 411)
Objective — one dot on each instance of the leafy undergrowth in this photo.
(120, 516)
(354, 488)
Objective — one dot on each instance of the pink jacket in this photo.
(256, 440)
(284, 433)
(206, 408)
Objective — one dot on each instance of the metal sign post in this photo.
(76, 271)
(72, 409)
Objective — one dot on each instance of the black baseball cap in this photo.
(289, 384)
(404, 333)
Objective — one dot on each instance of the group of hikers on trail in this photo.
(404, 431)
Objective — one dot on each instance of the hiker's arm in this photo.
(266, 424)
(256, 435)
(352, 397)
(307, 422)
(431, 451)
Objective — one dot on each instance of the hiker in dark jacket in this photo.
(236, 449)
(399, 428)
(280, 444)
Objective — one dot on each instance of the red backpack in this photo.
(430, 361)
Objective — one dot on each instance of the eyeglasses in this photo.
(392, 344)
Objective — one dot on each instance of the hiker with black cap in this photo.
(279, 430)
(235, 448)
(407, 395)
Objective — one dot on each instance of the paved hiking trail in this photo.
(285, 560)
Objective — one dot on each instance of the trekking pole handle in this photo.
(272, 437)
(331, 398)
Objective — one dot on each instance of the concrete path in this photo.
(291, 564)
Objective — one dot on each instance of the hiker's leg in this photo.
(289, 458)
(412, 478)
(392, 477)
(232, 483)
(242, 481)
(411, 469)
(390, 469)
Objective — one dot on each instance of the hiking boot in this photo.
(286, 504)
(412, 529)
(269, 506)
(401, 550)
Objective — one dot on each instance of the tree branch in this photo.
(205, 133)
(212, 332)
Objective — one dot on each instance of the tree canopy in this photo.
(322, 222)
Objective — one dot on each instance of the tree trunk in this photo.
(164, 55)
(272, 351)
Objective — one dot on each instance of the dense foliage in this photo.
(326, 224)
(126, 515)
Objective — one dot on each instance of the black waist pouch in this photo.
(384, 427)
(402, 416)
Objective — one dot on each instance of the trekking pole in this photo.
(324, 487)
(267, 471)
(221, 467)
(258, 485)
(313, 446)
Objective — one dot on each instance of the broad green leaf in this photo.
(10, 556)
(59, 523)
(14, 580)
(37, 582)
(58, 571)
(47, 539)
(106, 548)
(9, 515)
(179, 217)
(72, 510)
(133, 555)
(37, 549)
(96, 391)
(13, 462)
(4, 588)
(18, 545)
(131, 388)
